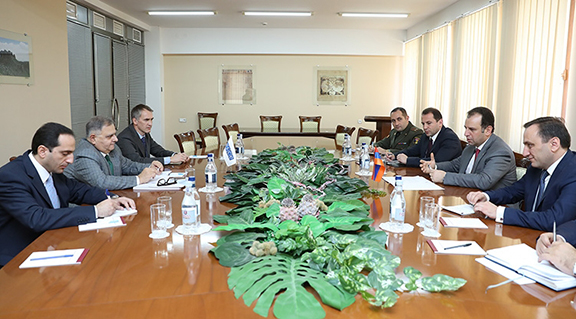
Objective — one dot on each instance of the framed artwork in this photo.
(236, 85)
(16, 65)
(332, 85)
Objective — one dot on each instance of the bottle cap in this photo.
(398, 177)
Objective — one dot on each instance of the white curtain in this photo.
(509, 57)
(475, 45)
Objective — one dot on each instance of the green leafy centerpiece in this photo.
(300, 223)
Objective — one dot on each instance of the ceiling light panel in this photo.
(374, 15)
(277, 14)
(181, 13)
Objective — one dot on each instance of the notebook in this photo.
(54, 258)
(455, 247)
(523, 259)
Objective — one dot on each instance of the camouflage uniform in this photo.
(398, 141)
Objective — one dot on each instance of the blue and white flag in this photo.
(230, 153)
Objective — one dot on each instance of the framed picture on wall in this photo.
(236, 85)
(332, 85)
(15, 58)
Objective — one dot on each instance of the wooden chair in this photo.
(207, 120)
(310, 123)
(186, 142)
(366, 136)
(270, 123)
(210, 137)
(340, 131)
(231, 130)
(12, 158)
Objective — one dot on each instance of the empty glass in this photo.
(158, 221)
(423, 201)
(431, 220)
(167, 200)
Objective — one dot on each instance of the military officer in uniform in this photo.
(403, 135)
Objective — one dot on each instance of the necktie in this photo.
(429, 149)
(109, 164)
(476, 154)
(144, 142)
(52, 192)
(541, 189)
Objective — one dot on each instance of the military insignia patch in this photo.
(416, 140)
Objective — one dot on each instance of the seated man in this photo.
(34, 194)
(136, 143)
(547, 188)
(99, 163)
(403, 135)
(436, 139)
(486, 163)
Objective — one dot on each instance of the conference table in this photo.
(128, 275)
(251, 132)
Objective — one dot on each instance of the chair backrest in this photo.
(270, 123)
(365, 135)
(210, 137)
(12, 158)
(310, 123)
(340, 131)
(207, 120)
(186, 142)
(231, 130)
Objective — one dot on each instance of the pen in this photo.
(51, 257)
(459, 246)
(554, 232)
(108, 194)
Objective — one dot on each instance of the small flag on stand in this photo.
(379, 168)
(230, 153)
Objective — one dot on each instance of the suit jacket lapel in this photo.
(557, 172)
(139, 141)
(35, 178)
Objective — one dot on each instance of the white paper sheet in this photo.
(414, 183)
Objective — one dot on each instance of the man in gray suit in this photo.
(99, 163)
(486, 163)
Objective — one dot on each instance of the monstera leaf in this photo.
(265, 277)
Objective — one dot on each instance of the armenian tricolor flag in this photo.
(379, 168)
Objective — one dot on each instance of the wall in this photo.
(284, 84)
(26, 108)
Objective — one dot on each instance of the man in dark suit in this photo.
(549, 186)
(137, 144)
(486, 163)
(34, 194)
(436, 139)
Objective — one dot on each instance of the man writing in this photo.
(136, 143)
(99, 163)
(35, 195)
(486, 163)
(547, 188)
(436, 139)
(403, 135)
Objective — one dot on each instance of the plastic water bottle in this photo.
(190, 209)
(397, 203)
(364, 159)
(210, 173)
(347, 147)
(239, 146)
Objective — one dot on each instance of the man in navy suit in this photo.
(437, 139)
(549, 186)
(34, 194)
(138, 145)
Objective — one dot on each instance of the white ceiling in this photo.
(325, 13)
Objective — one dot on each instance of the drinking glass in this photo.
(167, 200)
(424, 200)
(431, 220)
(158, 221)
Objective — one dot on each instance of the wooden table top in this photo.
(249, 132)
(128, 275)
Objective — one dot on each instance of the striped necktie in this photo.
(541, 189)
(51, 190)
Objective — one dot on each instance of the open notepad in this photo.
(524, 260)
